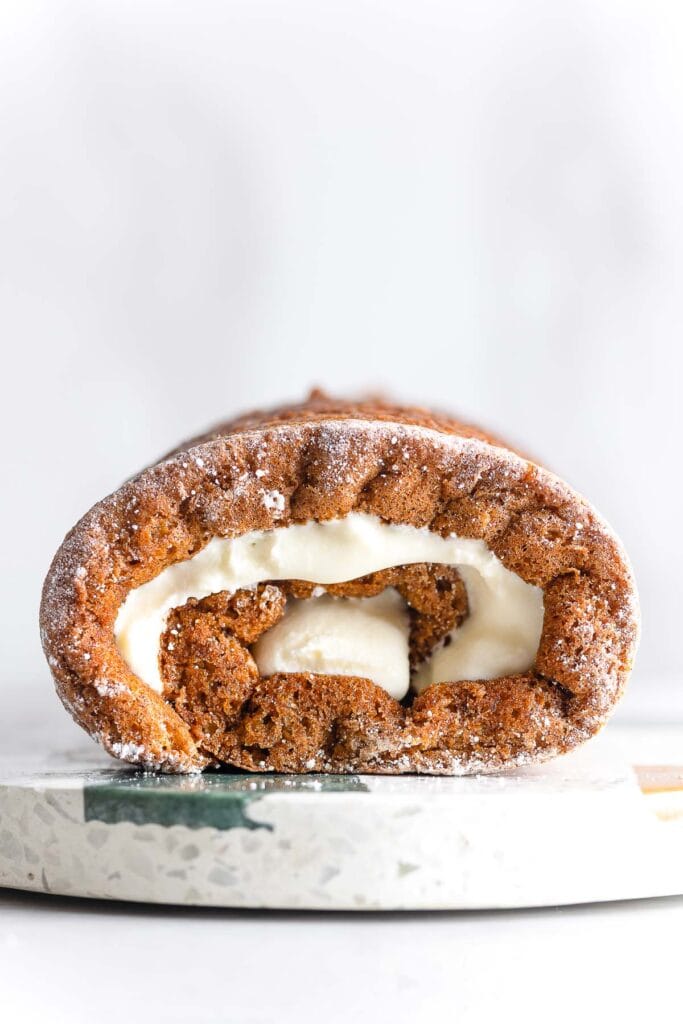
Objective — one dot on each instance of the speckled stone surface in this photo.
(578, 830)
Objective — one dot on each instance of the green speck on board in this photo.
(147, 800)
(214, 800)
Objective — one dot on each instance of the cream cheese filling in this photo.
(346, 636)
(500, 635)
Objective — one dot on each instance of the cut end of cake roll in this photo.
(341, 587)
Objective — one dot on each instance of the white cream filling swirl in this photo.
(363, 636)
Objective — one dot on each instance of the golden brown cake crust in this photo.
(327, 458)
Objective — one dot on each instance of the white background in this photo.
(206, 206)
(211, 205)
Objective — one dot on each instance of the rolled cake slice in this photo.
(341, 587)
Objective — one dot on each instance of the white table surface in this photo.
(70, 960)
(78, 960)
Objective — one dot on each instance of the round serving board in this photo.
(587, 827)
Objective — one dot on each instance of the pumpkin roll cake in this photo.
(341, 587)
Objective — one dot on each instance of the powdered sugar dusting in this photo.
(274, 501)
(110, 688)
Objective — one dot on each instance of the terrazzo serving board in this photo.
(603, 823)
